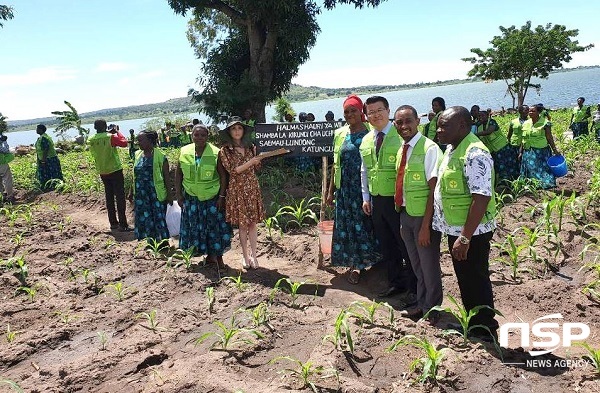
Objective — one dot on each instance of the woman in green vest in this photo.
(200, 184)
(537, 146)
(505, 157)
(48, 166)
(152, 188)
(353, 243)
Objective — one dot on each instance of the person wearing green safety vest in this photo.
(464, 209)
(103, 147)
(416, 176)
(6, 178)
(579, 119)
(151, 189)
(48, 171)
(200, 185)
(378, 151)
(536, 147)
(505, 157)
(438, 105)
(353, 242)
(515, 127)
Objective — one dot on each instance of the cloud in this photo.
(37, 76)
(112, 67)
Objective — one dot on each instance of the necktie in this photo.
(398, 198)
(378, 142)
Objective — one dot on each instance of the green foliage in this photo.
(300, 213)
(118, 290)
(150, 317)
(210, 298)
(306, 372)
(429, 364)
(6, 13)
(10, 335)
(3, 124)
(228, 335)
(342, 337)
(69, 119)
(513, 251)
(156, 248)
(593, 355)
(522, 53)
(292, 288)
(237, 282)
(103, 338)
(462, 316)
(282, 108)
(365, 311)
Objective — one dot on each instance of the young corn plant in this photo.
(463, 317)
(365, 311)
(292, 289)
(22, 268)
(150, 317)
(103, 338)
(66, 317)
(300, 213)
(229, 335)
(31, 292)
(210, 299)
(514, 254)
(184, 257)
(272, 225)
(10, 335)
(592, 290)
(531, 237)
(307, 372)
(593, 355)
(342, 338)
(118, 290)
(237, 281)
(156, 248)
(260, 315)
(18, 238)
(429, 364)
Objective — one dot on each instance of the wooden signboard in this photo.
(310, 139)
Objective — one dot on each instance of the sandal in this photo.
(245, 264)
(354, 276)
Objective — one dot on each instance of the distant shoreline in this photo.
(296, 94)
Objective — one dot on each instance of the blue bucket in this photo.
(558, 165)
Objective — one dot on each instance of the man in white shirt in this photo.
(417, 171)
(378, 151)
(464, 209)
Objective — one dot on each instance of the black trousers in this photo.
(114, 188)
(473, 275)
(386, 222)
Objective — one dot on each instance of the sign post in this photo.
(309, 139)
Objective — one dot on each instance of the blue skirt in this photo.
(534, 165)
(505, 163)
(203, 226)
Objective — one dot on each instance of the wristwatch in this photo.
(464, 240)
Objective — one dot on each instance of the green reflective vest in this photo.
(580, 114)
(158, 157)
(105, 155)
(494, 141)
(338, 140)
(38, 147)
(381, 171)
(534, 135)
(456, 197)
(200, 179)
(517, 132)
(416, 188)
(430, 129)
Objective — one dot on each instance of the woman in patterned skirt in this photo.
(200, 184)
(537, 146)
(243, 203)
(48, 166)
(152, 188)
(353, 242)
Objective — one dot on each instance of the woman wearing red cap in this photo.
(353, 242)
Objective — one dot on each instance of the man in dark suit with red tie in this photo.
(378, 150)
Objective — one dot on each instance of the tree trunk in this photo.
(262, 52)
(521, 97)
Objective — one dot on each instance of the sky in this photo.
(101, 54)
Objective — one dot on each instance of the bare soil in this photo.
(58, 345)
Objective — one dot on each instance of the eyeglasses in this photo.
(377, 112)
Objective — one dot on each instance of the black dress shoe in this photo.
(391, 291)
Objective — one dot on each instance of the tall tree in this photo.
(6, 13)
(251, 50)
(520, 54)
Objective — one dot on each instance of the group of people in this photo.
(398, 188)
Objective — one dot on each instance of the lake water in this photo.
(559, 90)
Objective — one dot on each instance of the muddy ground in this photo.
(76, 336)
